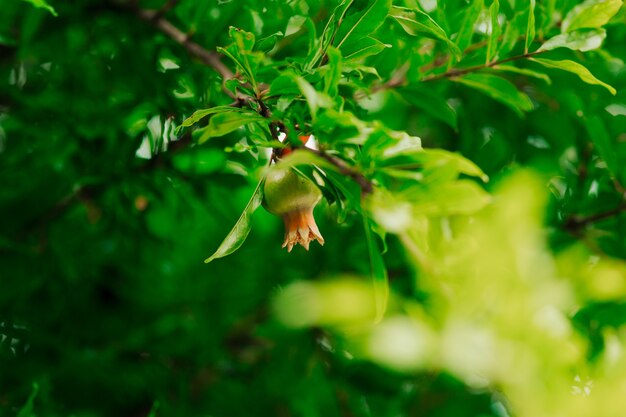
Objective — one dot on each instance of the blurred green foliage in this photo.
(483, 276)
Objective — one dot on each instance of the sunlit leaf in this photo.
(575, 68)
(329, 33)
(314, 98)
(237, 236)
(367, 47)
(332, 74)
(359, 26)
(240, 52)
(530, 29)
(224, 123)
(590, 14)
(42, 4)
(460, 197)
(416, 22)
(492, 44)
(499, 89)
(435, 165)
(201, 114)
(581, 40)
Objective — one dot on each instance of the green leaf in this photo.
(433, 159)
(240, 52)
(579, 40)
(268, 43)
(378, 271)
(602, 142)
(284, 85)
(332, 72)
(360, 26)
(515, 28)
(547, 15)
(314, 98)
(466, 33)
(590, 14)
(492, 44)
(499, 89)
(432, 103)
(42, 4)
(201, 114)
(349, 189)
(415, 22)
(239, 233)
(224, 123)
(367, 47)
(154, 410)
(329, 33)
(383, 144)
(450, 198)
(244, 40)
(27, 409)
(523, 71)
(575, 68)
(530, 29)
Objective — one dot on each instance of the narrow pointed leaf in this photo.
(367, 47)
(239, 233)
(515, 28)
(579, 40)
(361, 25)
(494, 36)
(466, 33)
(27, 409)
(43, 4)
(499, 89)
(530, 29)
(224, 123)
(315, 99)
(416, 22)
(332, 74)
(575, 68)
(590, 14)
(201, 114)
(329, 32)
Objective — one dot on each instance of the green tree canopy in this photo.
(469, 155)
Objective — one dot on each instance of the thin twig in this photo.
(578, 222)
(169, 5)
(210, 58)
(457, 72)
(213, 59)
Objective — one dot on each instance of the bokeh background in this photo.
(106, 216)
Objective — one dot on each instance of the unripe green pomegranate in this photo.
(293, 197)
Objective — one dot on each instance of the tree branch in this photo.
(213, 59)
(462, 71)
(574, 223)
(210, 58)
